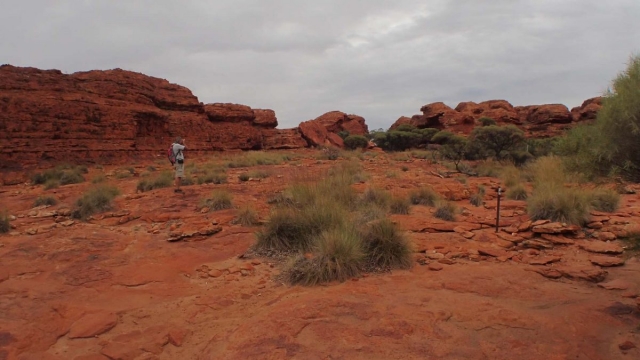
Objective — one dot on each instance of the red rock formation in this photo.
(535, 120)
(323, 130)
(116, 116)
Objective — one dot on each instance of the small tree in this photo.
(454, 149)
(498, 140)
(343, 134)
(356, 141)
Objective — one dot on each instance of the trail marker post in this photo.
(498, 209)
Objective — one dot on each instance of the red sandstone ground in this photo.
(115, 288)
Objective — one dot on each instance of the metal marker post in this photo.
(498, 209)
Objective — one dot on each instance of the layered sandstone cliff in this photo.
(535, 120)
(116, 116)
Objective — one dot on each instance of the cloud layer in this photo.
(378, 59)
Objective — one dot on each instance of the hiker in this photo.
(178, 148)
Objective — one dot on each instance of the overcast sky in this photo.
(378, 59)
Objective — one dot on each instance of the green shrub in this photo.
(424, 196)
(516, 192)
(610, 146)
(247, 216)
(5, 223)
(356, 142)
(454, 149)
(51, 184)
(343, 134)
(386, 247)
(606, 200)
(399, 205)
(486, 121)
(63, 175)
(253, 158)
(338, 257)
(445, 211)
(498, 140)
(45, 200)
(548, 171)
(219, 200)
(244, 177)
(510, 176)
(163, 180)
(94, 201)
(406, 127)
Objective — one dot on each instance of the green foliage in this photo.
(51, 184)
(356, 142)
(454, 149)
(5, 224)
(343, 134)
(95, 200)
(442, 137)
(62, 175)
(486, 121)
(406, 128)
(541, 147)
(569, 205)
(254, 158)
(244, 177)
(520, 157)
(386, 247)
(510, 176)
(377, 197)
(498, 140)
(445, 211)
(45, 200)
(219, 200)
(610, 146)
(606, 200)
(163, 180)
(424, 196)
(403, 137)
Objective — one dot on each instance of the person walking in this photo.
(178, 151)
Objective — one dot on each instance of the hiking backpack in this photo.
(171, 155)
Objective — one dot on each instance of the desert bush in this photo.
(442, 137)
(568, 205)
(5, 223)
(213, 176)
(51, 184)
(611, 144)
(61, 174)
(445, 210)
(338, 257)
(399, 205)
(385, 245)
(244, 177)
(516, 192)
(454, 149)
(356, 142)
(510, 176)
(253, 158)
(343, 134)
(403, 137)
(424, 196)
(498, 140)
(547, 171)
(541, 147)
(606, 200)
(219, 200)
(247, 216)
(45, 200)
(520, 157)
(163, 180)
(486, 121)
(488, 168)
(95, 200)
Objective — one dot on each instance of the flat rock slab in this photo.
(600, 247)
(555, 228)
(557, 239)
(545, 260)
(582, 272)
(91, 325)
(606, 261)
(492, 252)
(617, 284)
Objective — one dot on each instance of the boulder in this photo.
(588, 110)
(219, 112)
(265, 118)
(317, 135)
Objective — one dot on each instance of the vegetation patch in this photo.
(445, 211)
(95, 200)
(517, 192)
(162, 180)
(399, 205)
(219, 200)
(254, 158)
(424, 196)
(61, 175)
(5, 224)
(247, 216)
(606, 200)
(45, 200)
(353, 142)
(386, 246)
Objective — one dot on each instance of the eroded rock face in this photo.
(323, 130)
(115, 115)
(535, 120)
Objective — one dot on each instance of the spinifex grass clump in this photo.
(94, 201)
(445, 210)
(386, 246)
(61, 175)
(517, 192)
(163, 180)
(606, 200)
(321, 219)
(551, 199)
(5, 224)
(254, 158)
(247, 216)
(424, 196)
(45, 200)
(219, 200)
(399, 205)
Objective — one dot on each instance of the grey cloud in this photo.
(379, 59)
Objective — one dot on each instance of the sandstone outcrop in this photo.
(116, 115)
(535, 120)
